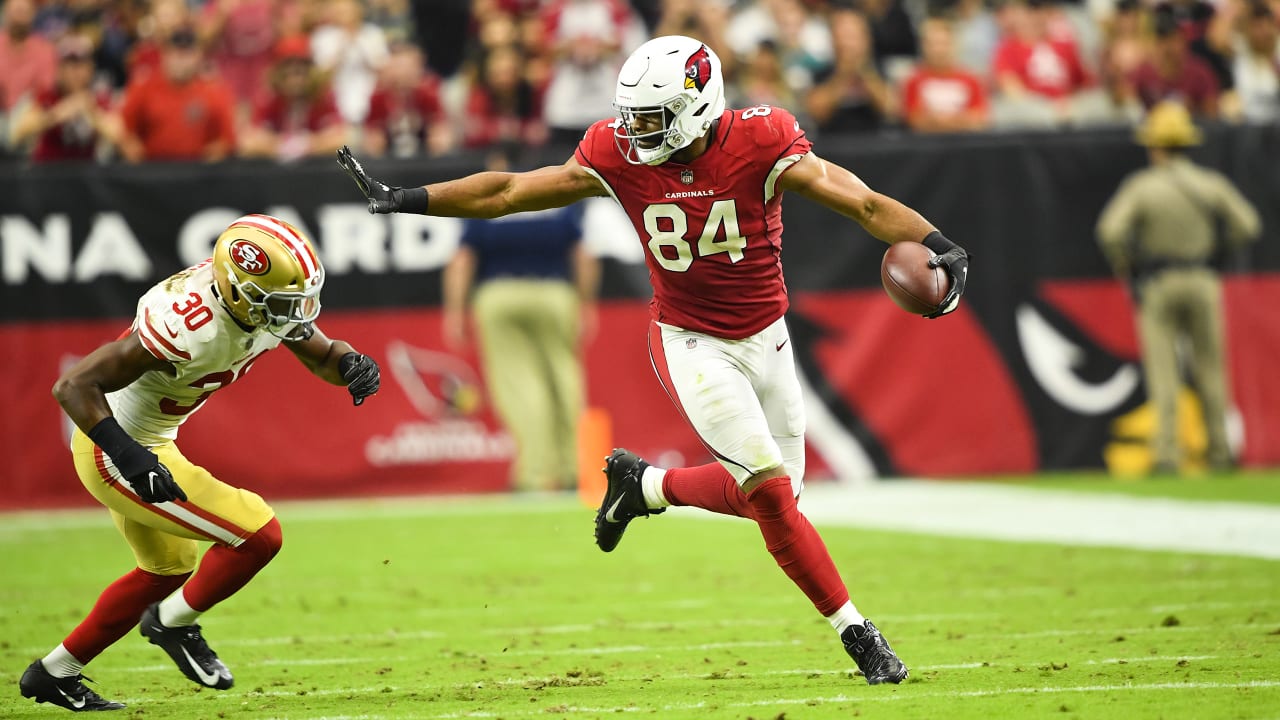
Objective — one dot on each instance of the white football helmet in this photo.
(268, 275)
(669, 92)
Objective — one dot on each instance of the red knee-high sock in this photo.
(796, 546)
(709, 486)
(117, 611)
(224, 570)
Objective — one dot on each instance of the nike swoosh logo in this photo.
(209, 679)
(780, 345)
(75, 702)
(169, 330)
(609, 515)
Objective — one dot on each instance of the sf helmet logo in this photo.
(697, 69)
(249, 257)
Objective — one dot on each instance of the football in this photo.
(910, 282)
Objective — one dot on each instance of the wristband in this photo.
(129, 457)
(938, 243)
(414, 200)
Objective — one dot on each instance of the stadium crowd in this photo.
(139, 80)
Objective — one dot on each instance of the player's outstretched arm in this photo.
(482, 195)
(82, 393)
(887, 219)
(336, 362)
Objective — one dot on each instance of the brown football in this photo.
(910, 282)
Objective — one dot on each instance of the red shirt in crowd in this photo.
(29, 67)
(405, 117)
(488, 124)
(276, 113)
(178, 122)
(1051, 67)
(942, 92)
(1196, 86)
(75, 140)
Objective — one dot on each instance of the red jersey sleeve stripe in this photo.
(150, 330)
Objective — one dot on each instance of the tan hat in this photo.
(1168, 124)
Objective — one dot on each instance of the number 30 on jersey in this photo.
(667, 224)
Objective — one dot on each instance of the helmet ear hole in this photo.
(235, 294)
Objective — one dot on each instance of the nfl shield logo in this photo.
(691, 343)
(686, 176)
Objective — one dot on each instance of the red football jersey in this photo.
(713, 228)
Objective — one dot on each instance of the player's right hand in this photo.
(156, 485)
(382, 197)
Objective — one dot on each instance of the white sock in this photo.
(651, 483)
(175, 612)
(844, 617)
(60, 663)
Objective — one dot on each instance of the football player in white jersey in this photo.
(195, 332)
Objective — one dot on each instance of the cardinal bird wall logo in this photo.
(697, 69)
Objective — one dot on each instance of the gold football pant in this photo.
(165, 536)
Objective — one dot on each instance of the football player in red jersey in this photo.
(195, 332)
(703, 186)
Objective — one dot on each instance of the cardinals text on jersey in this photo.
(180, 320)
(713, 227)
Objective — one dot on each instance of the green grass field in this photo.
(503, 608)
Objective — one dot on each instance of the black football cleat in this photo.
(623, 500)
(186, 646)
(67, 692)
(872, 653)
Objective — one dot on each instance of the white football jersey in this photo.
(182, 321)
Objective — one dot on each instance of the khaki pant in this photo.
(1184, 303)
(529, 332)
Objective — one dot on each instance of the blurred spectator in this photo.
(166, 17)
(893, 37)
(762, 80)
(1173, 72)
(406, 117)
(704, 20)
(30, 61)
(393, 18)
(69, 120)
(179, 113)
(851, 97)
(531, 289)
(1031, 61)
(354, 52)
(297, 115)
(803, 39)
(1195, 20)
(940, 96)
(976, 34)
(586, 39)
(442, 26)
(502, 107)
(240, 35)
(1255, 62)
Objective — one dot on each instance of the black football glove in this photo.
(361, 374)
(383, 198)
(156, 485)
(956, 260)
(140, 467)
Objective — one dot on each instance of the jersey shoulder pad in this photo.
(768, 127)
(174, 320)
(597, 146)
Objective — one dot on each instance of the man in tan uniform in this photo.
(1160, 231)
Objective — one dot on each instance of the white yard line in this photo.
(998, 512)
